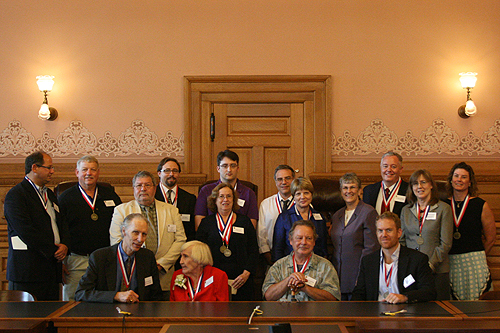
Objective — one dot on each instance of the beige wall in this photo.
(119, 68)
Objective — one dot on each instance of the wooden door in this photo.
(266, 120)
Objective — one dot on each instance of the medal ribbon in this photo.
(278, 204)
(162, 187)
(387, 202)
(225, 229)
(295, 269)
(458, 219)
(192, 292)
(87, 198)
(422, 221)
(298, 213)
(44, 202)
(387, 275)
(127, 279)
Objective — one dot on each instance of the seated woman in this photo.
(198, 280)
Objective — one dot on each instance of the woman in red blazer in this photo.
(198, 280)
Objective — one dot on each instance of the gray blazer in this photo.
(351, 242)
(437, 234)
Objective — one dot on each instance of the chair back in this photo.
(16, 296)
(63, 186)
(490, 295)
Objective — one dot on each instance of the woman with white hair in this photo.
(198, 280)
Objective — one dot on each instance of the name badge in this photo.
(109, 203)
(171, 228)
(431, 216)
(56, 207)
(209, 281)
(317, 216)
(18, 244)
(408, 281)
(400, 198)
(310, 281)
(186, 217)
(148, 281)
(241, 202)
(239, 230)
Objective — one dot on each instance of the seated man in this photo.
(395, 274)
(302, 274)
(124, 272)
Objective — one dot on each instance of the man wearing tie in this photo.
(37, 237)
(390, 193)
(271, 207)
(124, 272)
(167, 190)
(166, 232)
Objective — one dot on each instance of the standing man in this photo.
(168, 191)
(272, 206)
(166, 233)
(390, 193)
(124, 272)
(395, 273)
(37, 237)
(227, 166)
(87, 209)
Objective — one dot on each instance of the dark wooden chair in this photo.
(248, 184)
(326, 197)
(16, 296)
(63, 186)
(490, 295)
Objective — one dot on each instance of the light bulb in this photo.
(44, 112)
(470, 108)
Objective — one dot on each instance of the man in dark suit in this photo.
(124, 272)
(390, 193)
(395, 274)
(167, 190)
(38, 240)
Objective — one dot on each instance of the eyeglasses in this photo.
(232, 166)
(50, 167)
(421, 183)
(282, 180)
(140, 186)
(167, 171)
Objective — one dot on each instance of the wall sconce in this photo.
(468, 81)
(45, 84)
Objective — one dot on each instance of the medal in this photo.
(227, 253)
(457, 235)
(458, 219)
(223, 248)
(94, 217)
(420, 240)
(386, 294)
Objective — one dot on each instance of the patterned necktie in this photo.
(284, 205)
(383, 209)
(387, 193)
(169, 196)
(152, 236)
(128, 266)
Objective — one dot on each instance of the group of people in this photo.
(398, 243)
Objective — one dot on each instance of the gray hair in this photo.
(143, 174)
(89, 159)
(391, 153)
(200, 252)
(305, 223)
(349, 178)
(128, 220)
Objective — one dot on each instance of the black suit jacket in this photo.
(185, 204)
(371, 192)
(27, 219)
(99, 282)
(410, 262)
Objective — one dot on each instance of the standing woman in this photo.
(301, 209)
(473, 218)
(353, 234)
(427, 225)
(232, 240)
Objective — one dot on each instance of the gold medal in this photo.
(227, 253)
(420, 240)
(457, 235)
(94, 217)
(223, 248)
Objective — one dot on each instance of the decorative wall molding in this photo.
(437, 139)
(139, 140)
(76, 140)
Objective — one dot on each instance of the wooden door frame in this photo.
(199, 90)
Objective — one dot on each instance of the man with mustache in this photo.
(87, 209)
(169, 191)
(124, 272)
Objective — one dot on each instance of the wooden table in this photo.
(296, 328)
(152, 316)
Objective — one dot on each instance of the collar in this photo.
(392, 186)
(281, 198)
(153, 206)
(174, 189)
(394, 255)
(124, 255)
(313, 263)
